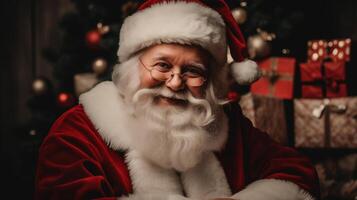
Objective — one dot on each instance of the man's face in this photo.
(180, 60)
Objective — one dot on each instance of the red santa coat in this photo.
(75, 162)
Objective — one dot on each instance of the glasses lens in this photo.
(190, 81)
(161, 76)
(195, 82)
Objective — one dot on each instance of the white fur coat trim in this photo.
(184, 23)
(106, 110)
(272, 189)
(150, 182)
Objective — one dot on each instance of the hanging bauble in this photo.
(93, 38)
(65, 100)
(240, 15)
(232, 95)
(103, 29)
(99, 66)
(266, 35)
(84, 82)
(285, 51)
(258, 47)
(40, 86)
(32, 132)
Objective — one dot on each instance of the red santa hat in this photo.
(206, 23)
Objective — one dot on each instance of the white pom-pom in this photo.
(245, 72)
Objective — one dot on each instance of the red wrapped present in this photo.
(325, 79)
(337, 50)
(278, 78)
(326, 122)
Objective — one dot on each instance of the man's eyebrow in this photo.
(197, 64)
(160, 56)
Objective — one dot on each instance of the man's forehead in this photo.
(192, 54)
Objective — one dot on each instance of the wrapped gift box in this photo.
(325, 79)
(337, 50)
(278, 78)
(267, 114)
(326, 122)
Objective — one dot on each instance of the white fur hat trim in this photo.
(178, 22)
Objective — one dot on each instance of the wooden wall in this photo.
(27, 27)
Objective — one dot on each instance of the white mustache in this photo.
(163, 91)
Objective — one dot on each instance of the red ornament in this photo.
(93, 38)
(65, 99)
(232, 95)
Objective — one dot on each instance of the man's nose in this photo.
(175, 83)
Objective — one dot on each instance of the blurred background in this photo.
(52, 51)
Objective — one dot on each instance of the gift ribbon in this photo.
(330, 83)
(273, 76)
(324, 110)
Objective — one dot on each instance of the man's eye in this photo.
(162, 66)
(194, 72)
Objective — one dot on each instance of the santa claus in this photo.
(163, 129)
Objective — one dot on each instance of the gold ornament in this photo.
(258, 47)
(33, 132)
(39, 86)
(285, 51)
(240, 15)
(266, 35)
(243, 3)
(103, 29)
(84, 82)
(99, 66)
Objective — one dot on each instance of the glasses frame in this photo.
(184, 78)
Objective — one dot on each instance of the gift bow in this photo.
(272, 75)
(318, 111)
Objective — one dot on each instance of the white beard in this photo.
(173, 137)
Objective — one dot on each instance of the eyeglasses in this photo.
(192, 76)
